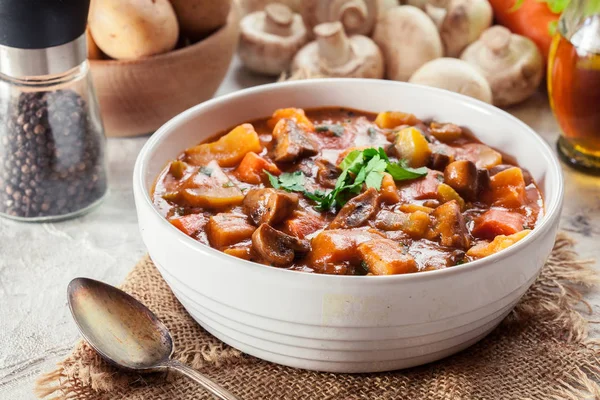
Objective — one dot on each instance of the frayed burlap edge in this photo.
(555, 299)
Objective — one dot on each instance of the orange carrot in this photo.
(531, 18)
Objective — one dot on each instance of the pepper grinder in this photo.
(52, 143)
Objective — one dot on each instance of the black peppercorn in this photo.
(51, 156)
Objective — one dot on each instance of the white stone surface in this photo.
(38, 260)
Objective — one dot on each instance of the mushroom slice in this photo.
(357, 16)
(454, 75)
(511, 63)
(464, 22)
(276, 247)
(270, 38)
(327, 173)
(292, 142)
(334, 54)
(408, 39)
(269, 206)
(357, 211)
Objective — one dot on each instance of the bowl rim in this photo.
(161, 134)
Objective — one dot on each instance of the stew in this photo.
(341, 191)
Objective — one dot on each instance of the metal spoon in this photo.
(126, 333)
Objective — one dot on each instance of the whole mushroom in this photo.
(250, 6)
(408, 39)
(463, 23)
(334, 54)
(357, 16)
(454, 75)
(512, 64)
(270, 38)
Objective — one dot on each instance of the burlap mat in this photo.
(540, 351)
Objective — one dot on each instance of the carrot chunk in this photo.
(496, 222)
(251, 169)
(225, 229)
(302, 224)
(189, 224)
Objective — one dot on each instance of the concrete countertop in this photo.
(38, 260)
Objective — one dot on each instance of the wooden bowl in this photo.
(137, 96)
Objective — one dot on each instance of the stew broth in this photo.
(424, 196)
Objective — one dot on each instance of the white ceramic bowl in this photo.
(346, 323)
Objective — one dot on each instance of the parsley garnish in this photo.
(372, 132)
(358, 167)
(206, 171)
(336, 129)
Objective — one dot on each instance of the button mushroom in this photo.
(269, 206)
(292, 142)
(334, 54)
(511, 63)
(463, 23)
(275, 247)
(454, 75)
(357, 16)
(408, 39)
(270, 38)
(250, 6)
(357, 211)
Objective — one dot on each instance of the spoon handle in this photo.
(216, 390)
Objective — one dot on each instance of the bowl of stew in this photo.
(348, 225)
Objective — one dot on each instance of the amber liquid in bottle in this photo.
(574, 90)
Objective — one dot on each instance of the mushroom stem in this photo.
(497, 40)
(352, 13)
(334, 46)
(278, 19)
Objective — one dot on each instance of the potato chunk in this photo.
(225, 229)
(229, 150)
(386, 257)
(446, 193)
(508, 188)
(296, 114)
(393, 119)
(500, 242)
(412, 146)
(210, 187)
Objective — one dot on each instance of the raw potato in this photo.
(408, 39)
(454, 75)
(198, 18)
(130, 29)
(93, 51)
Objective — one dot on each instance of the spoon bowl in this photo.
(126, 333)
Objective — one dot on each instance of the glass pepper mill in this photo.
(574, 84)
(52, 141)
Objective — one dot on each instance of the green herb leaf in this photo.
(273, 179)
(401, 173)
(358, 167)
(335, 129)
(292, 181)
